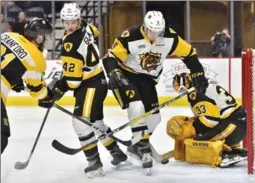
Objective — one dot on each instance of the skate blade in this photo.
(133, 156)
(97, 173)
(232, 162)
(127, 165)
(148, 171)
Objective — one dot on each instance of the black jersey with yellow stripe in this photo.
(20, 59)
(213, 107)
(136, 53)
(80, 56)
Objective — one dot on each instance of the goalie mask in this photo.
(182, 80)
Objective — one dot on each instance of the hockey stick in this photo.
(161, 158)
(60, 147)
(126, 143)
(22, 165)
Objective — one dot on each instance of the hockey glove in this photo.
(19, 87)
(58, 90)
(48, 101)
(199, 82)
(117, 79)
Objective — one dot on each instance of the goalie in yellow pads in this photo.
(213, 134)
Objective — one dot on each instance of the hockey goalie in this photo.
(213, 135)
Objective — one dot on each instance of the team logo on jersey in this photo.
(150, 61)
(68, 46)
(125, 34)
(130, 93)
(193, 95)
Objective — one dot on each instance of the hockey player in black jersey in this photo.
(134, 64)
(83, 75)
(22, 60)
(213, 135)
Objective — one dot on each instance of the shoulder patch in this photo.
(125, 34)
(193, 95)
(68, 46)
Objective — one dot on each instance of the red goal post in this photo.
(248, 101)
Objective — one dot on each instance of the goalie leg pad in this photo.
(179, 150)
(203, 152)
(180, 128)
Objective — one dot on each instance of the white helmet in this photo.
(70, 11)
(154, 21)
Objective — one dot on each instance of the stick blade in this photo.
(66, 150)
(20, 165)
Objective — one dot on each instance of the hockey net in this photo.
(248, 100)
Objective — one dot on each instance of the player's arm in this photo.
(118, 53)
(189, 56)
(94, 30)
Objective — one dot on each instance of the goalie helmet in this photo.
(154, 21)
(182, 80)
(70, 11)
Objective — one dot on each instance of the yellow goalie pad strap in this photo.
(180, 127)
(203, 152)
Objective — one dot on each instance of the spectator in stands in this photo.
(220, 43)
(4, 25)
(20, 24)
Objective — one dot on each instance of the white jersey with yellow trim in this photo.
(20, 59)
(80, 55)
(136, 53)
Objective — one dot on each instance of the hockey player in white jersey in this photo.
(213, 134)
(134, 64)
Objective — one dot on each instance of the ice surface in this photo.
(50, 166)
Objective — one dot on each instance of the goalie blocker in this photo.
(214, 133)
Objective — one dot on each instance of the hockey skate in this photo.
(233, 157)
(141, 151)
(118, 155)
(94, 168)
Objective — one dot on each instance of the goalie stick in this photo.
(71, 151)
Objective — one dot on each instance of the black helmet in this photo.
(36, 27)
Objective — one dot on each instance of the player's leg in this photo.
(238, 120)
(96, 117)
(83, 103)
(130, 99)
(141, 149)
(5, 128)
